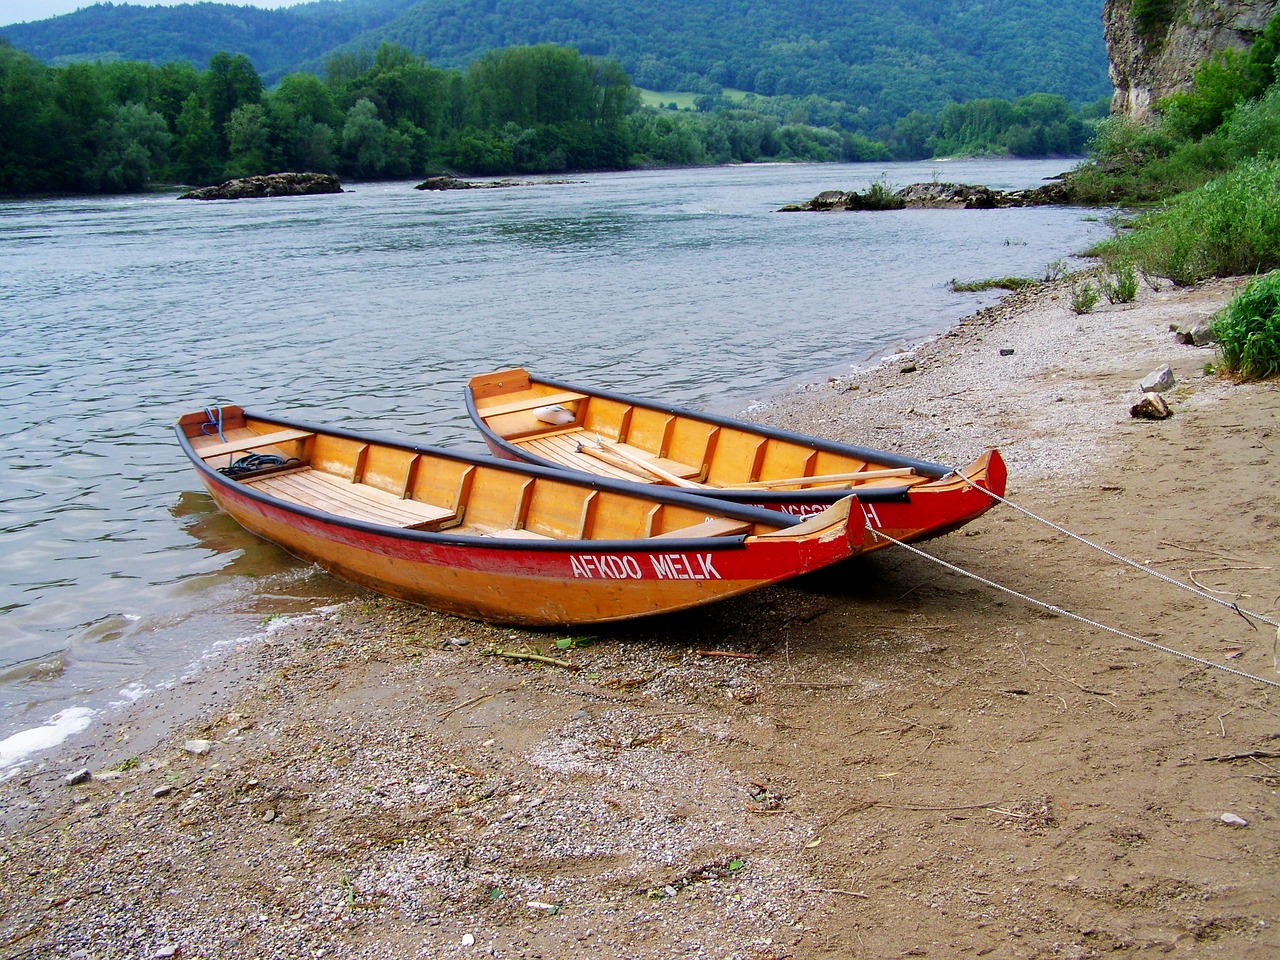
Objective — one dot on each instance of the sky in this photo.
(19, 11)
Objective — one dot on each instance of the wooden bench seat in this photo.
(528, 403)
(251, 443)
(357, 501)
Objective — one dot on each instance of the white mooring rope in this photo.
(1073, 616)
(1172, 581)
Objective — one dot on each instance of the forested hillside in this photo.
(275, 41)
(875, 60)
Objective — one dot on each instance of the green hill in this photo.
(882, 60)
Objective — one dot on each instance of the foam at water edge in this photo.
(60, 726)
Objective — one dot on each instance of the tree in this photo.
(364, 141)
(198, 155)
(249, 150)
(27, 141)
(131, 145)
(229, 83)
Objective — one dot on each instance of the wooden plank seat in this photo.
(716, 527)
(528, 403)
(359, 501)
(241, 444)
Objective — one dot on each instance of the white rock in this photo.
(1158, 381)
(1232, 820)
(198, 747)
(468, 940)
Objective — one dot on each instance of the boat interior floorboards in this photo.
(359, 501)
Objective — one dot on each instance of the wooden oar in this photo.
(856, 477)
(602, 452)
(616, 462)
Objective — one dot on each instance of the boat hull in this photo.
(529, 585)
(491, 539)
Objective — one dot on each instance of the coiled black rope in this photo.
(253, 462)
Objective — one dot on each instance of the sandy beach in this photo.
(888, 759)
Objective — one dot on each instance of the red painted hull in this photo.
(583, 582)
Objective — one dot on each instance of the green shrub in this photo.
(1228, 227)
(1153, 17)
(1254, 128)
(1248, 330)
(1120, 285)
(1084, 297)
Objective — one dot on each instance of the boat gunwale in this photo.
(675, 497)
(934, 471)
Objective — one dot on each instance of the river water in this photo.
(371, 309)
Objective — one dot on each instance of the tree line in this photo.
(882, 59)
(122, 125)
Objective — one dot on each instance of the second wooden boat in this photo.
(571, 427)
(493, 539)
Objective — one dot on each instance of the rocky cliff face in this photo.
(1153, 59)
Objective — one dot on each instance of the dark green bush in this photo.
(1248, 330)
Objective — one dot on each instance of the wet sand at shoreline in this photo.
(886, 759)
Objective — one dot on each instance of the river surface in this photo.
(371, 308)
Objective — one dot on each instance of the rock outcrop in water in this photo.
(270, 185)
(1157, 52)
(932, 196)
(444, 182)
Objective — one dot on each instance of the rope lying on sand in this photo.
(1173, 581)
(1053, 608)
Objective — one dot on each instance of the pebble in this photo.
(268, 816)
(198, 747)
(468, 940)
(164, 791)
(83, 775)
(168, 950)
(1231, 820)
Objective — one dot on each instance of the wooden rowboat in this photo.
(493, 539)
(569, 427)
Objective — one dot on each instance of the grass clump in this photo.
(992, 283)
(1120, 285)
(1248, 330)
(1084, 297)
(1228, 227)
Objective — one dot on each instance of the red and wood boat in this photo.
(570, 427)
(493, 539)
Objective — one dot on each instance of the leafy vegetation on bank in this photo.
(1248, 330)
(1213, 160)
(1228, 227)
(1230, 114)
(870, 61)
